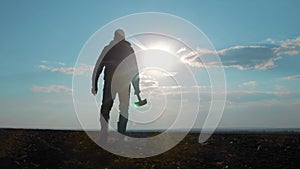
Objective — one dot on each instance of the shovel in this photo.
(140, 102)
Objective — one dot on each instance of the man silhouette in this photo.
(121, 69)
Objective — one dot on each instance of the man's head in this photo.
(119, 35)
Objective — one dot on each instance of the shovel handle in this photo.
(139, 97)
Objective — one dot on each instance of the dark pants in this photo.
(109, 94)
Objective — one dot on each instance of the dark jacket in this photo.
(119, 61)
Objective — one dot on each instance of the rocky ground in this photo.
(41, 149)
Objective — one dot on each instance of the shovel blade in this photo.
(140, 103)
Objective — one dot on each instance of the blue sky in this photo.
(258, 42)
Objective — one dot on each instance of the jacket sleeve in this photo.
(134, 67)
(98, 69)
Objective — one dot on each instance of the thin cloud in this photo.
(277, 91)
(61, 63)
(259, 57)
(280, 90)
(60, 67)
(170, 74)
(147, 84)
(288, 47)
(293, 77)
(181, 50)
(64, 70)
(250, 84)
(44, 67)
(248, 57)
(51, 89)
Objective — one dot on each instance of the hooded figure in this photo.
(120, 71)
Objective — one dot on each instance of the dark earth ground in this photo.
(55, 149)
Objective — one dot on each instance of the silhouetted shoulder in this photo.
(126, 43)
(122, 44)
(128, 46)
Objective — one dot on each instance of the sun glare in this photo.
(161, 46)
(156, 53)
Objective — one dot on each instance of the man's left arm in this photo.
(135, 71)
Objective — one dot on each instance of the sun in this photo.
(153, 52)
(161, 46)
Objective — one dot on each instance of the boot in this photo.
(122, 125)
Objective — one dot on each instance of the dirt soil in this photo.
(52, 149)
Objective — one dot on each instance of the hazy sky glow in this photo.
(257, 41)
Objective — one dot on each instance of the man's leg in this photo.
(107, 103)
(124, 96)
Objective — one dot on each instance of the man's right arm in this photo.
(97, 71)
